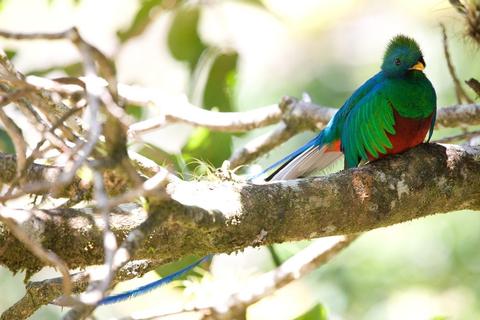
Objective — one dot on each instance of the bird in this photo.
(390, 113)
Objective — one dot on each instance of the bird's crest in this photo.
(401, 42)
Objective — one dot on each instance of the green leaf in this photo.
(71, 70)
(142, 19)
(135, 111)
(286, 250)
(183, 39)
(172, 267)
(160, 156)
(197, 139)
(6, 144)
(206, 145)
(219, 90)
(10, 53)
(318, 312)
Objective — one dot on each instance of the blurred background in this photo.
(244, 54)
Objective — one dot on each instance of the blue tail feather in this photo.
(151, 286)
(158, 283)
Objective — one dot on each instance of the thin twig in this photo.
(261, 145)
(183, 112)
(315, 255)
(97, 289)
(152, 186)
(36, 151)
(459, 137)
(41, 293)
(460, 93)
(52, 108)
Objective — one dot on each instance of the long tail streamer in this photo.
(151, 286)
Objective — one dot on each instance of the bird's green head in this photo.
(402, 55)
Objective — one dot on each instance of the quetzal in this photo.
(391, 112)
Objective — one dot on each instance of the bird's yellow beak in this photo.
(418, 66)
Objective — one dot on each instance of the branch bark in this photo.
(423, 181)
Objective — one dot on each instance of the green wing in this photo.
(366, 128)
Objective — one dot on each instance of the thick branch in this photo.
(426, 180)
(38, 174)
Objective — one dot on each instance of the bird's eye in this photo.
(397, 61)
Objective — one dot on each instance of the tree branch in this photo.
(426, 180)
(315, 255)
(40, 293)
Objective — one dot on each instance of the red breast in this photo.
(408, 134)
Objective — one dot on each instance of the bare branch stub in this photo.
(475, 85)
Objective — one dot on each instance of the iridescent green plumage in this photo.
(389, 113)
(366, 121)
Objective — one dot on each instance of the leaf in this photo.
(183, 39)
(287, 250)
(141, 21)
(10, 53)
(219, 90)
(6, 144)
(318, 312)
(172, 267)
(215, 147)
(135, 111)
(160, 156)
(71, 70)
(206, 145)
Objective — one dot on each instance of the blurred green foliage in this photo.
(318, 312)
(141, 19)
(135, 111)
(215, 147)
(72, 70)
(219, 90)
(174, 266)
(10, 53)
(183, 39)
(6, 144)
